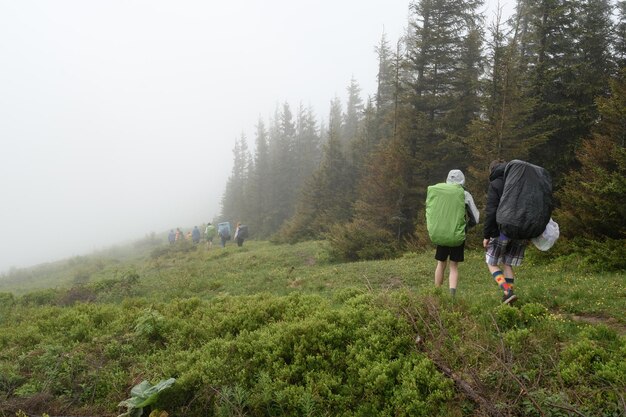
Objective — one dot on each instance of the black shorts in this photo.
(456, 254)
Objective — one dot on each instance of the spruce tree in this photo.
(619, 37)
(507, 129)
(443, 63)
(261, 184)
(592, 198)
(234, 201)
(327, 197)
(283, 167)
(307, 149)
(569, 64)
(353, 116)
(364, 144)
(386, 97)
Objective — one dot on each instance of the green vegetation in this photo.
(142, 395)
(268, 330)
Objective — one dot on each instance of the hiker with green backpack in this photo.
(209, 233)
(450, 211)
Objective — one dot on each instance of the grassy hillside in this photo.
(282, 330)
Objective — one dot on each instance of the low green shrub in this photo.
(361, 240)
(298, 355)
(150, 325)
(586, 254)
(40, 297)
(597, 358)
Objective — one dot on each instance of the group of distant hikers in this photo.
(518, 210)
(223, 230)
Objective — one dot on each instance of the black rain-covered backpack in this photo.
(526, 203)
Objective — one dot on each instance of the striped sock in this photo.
(501, 281)
(510, 281)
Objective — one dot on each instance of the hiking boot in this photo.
(509, 298)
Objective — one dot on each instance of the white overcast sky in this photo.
(118, 117)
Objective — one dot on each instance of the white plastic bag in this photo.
(549, 236)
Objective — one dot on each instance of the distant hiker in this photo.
(171, 237)
(210, 233)
(223, 230)
(450, 211)
(179, 235)
(195, 235)
(188, 235)
(241, 233)
(519, 206)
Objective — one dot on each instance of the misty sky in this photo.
(118, 117)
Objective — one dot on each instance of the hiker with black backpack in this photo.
(241, 233)
(450, 211)
(195, 235)
(519, 205)
(500, 249)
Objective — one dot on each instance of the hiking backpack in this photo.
(243, 231)
(526, 203)
(445, 214)
(224, 230)
(210, 231)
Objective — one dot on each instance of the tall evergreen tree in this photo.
(307, 149)
(443, 91)
(569, 64)
(506, 129)
(592, 198)
(386, 97)
(261, 184)
(353, 116)
(364, 144)
(327, 197)
(234, 201)
(619, 38)
(282, 136)
(385, 192)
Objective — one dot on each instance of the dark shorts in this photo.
(456, 253)
(505, 251)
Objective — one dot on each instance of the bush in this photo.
(606, 255)
(41, 297)
(361, 240)
(597, 358)
(299, 355)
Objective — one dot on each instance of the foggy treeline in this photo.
(457, 91)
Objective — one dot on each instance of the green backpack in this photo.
(445, 214)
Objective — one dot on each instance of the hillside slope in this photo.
(282, 330)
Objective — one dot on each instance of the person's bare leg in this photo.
(508, 271)
(454, 276)
(439, 271)
(493, 268)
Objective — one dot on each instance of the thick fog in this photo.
(118, 118)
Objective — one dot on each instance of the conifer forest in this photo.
(459, 90)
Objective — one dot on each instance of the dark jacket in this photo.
(496, 186)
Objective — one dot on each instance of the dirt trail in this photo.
(611, 322)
